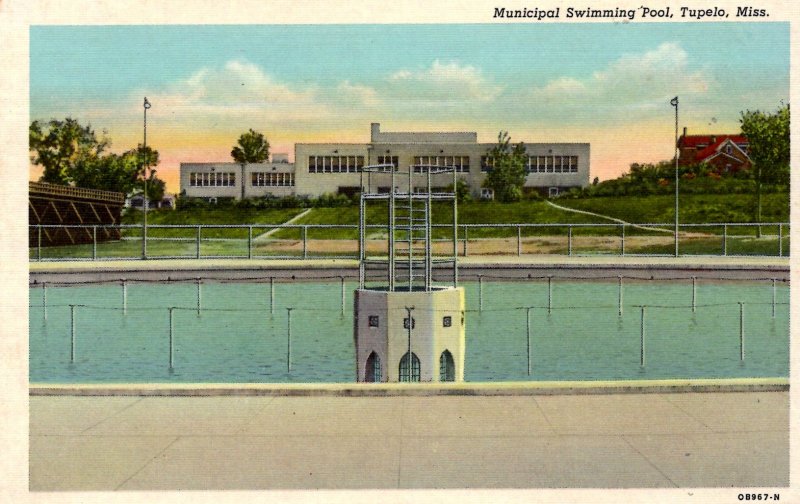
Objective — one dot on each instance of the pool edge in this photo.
(417, 389)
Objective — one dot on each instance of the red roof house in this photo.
(727, 153)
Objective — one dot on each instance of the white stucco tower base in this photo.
(437, 334)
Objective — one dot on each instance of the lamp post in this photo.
(674, 103)
(144, 193)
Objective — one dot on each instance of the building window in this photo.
(573, 164)
(487, 163)
(335, 164)
(447, 367)
(460, 163)
(266, 179)
(412, 374)
(372, 371)
(389, 160)
(549, 162)
(212, 179)
(374, 321)
(405, 323)
(447, 321)
(728, 149)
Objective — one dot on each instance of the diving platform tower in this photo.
(407, 326)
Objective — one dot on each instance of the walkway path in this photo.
(613, 219)
(264, 236)
(734, 439)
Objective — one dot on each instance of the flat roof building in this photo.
(321, 168)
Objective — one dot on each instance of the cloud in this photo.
(441, 83)
(237, 87)
(632, 82)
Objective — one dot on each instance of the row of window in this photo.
(409, 370)
(375, 321)
(335, 164)
(264, 179)
(540, 164)
(228, 179)
(212, 179)
(460, 163)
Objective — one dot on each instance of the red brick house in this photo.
(727, 153)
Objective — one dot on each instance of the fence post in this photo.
(725, 239)
(124, 296)
(271, 295)
(528, 334)
(249, 242)
(305, 242)
(569, 240)
(480, 292)
(773, 298)
(197, 243)
(694, 294)
(289, 340)
(39, 242)
(519, 240)
(72, 333)
(171, 340)
(780, 240)
(642, 341)
(619, 294)
(343, 294)
(741, 331)
(44, 300)
(466, 239)
(622, 239)
(94, 243)
(199, 295)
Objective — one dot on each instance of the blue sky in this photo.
(604, 83)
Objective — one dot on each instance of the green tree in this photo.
(769, 145)
(252, 147)
(508, 169)
(60, 146)
(71, 154)
(462, 190)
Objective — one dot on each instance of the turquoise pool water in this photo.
(236, 339)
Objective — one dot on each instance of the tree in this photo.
(461, 189)
(252, 147)
(769, 146)
(508, 169)
(59, 146)
(71, 154)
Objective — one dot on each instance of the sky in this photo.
(608, 84)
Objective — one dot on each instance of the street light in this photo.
(674, 103)
(144, 193)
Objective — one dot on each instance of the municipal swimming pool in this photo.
(581, 336)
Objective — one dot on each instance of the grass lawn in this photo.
(693, 208)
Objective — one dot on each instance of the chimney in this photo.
(684, 132)
(375, 130)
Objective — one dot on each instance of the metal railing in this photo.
(340, 241)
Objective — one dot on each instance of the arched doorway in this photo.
(447, 368)
(413, 376)
(372, 372)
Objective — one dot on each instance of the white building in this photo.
(321, 168)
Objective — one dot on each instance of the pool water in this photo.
(236, 339)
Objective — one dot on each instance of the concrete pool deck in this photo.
(743, 267)
(653, 440)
